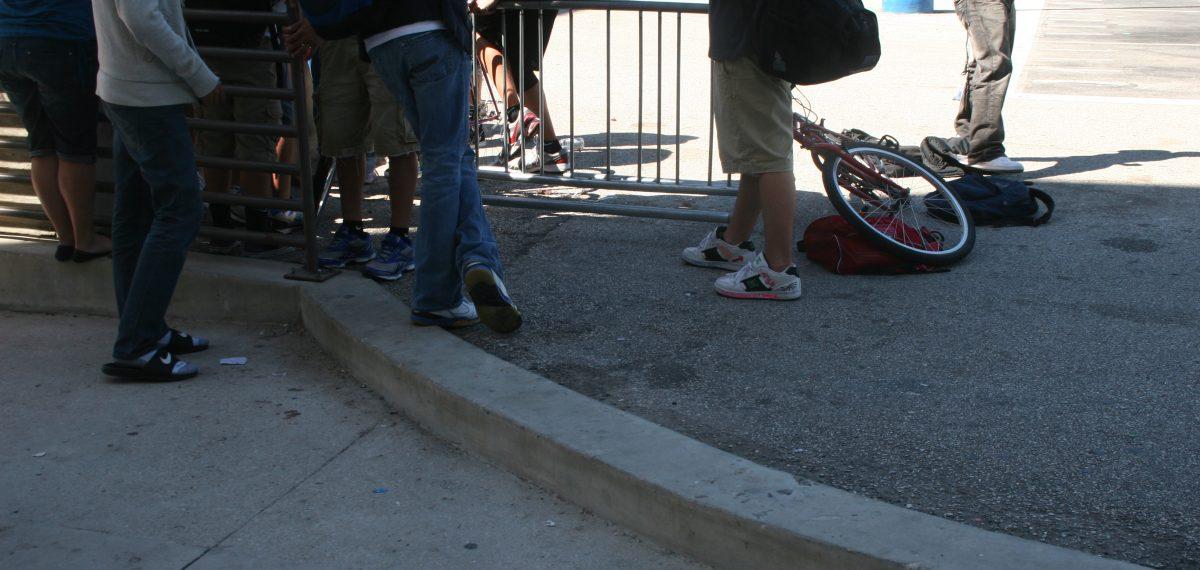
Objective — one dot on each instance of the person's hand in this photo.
(301, 39)
(214, 97)
(483, 6)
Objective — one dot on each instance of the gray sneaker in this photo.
(394, 260)
(346, 248)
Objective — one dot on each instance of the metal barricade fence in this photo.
(15, 183)
(607, 179)
(17, 207)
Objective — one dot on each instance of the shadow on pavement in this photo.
(1076, 164)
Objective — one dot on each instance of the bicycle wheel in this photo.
(920, 220)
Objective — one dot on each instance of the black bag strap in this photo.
(1046, 201)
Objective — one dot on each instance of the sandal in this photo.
(81, 256)
(183, 343)
(163, 366)
(64, 252)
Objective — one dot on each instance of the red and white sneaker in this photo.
(531, 123)
(714, 251)
(556, 163)
(758, 281)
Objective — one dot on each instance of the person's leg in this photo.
(43, 174)
(778, 195)
(350, 173)
(753, 118)
(429, 75)
(746, 208)
(988, 24)
(23, 93)
(133, 213)
(157, 139)
(402, 187)
(254, 147)
(77, 183)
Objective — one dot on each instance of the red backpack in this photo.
(839, 247)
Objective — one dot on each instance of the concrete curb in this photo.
(694, 498)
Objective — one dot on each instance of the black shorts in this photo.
(52, 83)
(492, 27)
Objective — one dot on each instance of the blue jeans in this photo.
(429, 73)
(157, 206)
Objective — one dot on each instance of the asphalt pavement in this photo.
(1046, 387)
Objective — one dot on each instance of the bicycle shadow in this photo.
(1078, 164)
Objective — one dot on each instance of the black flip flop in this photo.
(81, 256)
(64, 252)
(183, 343)
(160, 368)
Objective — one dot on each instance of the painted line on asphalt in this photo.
(1106, 99)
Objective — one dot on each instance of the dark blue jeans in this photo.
(430, 74)
(157, 208)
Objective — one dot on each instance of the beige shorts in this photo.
(356, 112)
(259, 148)
(754, 119)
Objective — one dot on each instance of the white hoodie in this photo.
(146, 55)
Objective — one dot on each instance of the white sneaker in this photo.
(461, 316)
(756, 280)
(999, 165)
(714, 251)
(487, 290)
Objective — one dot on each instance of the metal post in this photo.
(658, 113)
(311, 271)
(521, 86)
(608, 91)
(641, 93)
(504, 92)
(712, 119)
(541, 91)
(571, 73)
(678, 91)
(476, 94)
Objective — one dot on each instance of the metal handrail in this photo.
(295, 92)
(615, 5)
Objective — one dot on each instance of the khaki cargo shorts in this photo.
(259, 148)
(356, 112)
(754, 119)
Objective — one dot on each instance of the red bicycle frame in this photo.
(816, 139)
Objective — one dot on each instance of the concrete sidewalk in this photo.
(278, 463)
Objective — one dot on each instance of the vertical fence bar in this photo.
(608, 93)
(641, 92)
(678, 91)
(658, 114)
(712, 119)
(521, 87)
(504, 92)
(476, 95)
(312, 272)
(541, 92)
(571, 79)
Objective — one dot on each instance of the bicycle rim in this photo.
(916, 218)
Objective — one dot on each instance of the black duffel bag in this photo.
(814, 41)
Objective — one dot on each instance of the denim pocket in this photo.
(434, 58)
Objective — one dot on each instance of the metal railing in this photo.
(14, 149)
(607, 179)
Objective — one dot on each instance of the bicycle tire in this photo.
(841, 180)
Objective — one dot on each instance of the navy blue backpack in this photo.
(995, 201)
